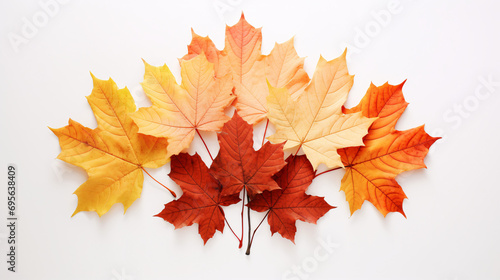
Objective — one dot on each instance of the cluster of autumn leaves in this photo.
(307, 114)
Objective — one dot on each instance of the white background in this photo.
(443, 48)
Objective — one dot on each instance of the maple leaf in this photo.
(314, 121)
(250, 69)
(291, 203)
(180, 111)
(201, 200)
(204, 45)
(238, 165)
(113, 154)
(371, 170)
(242, 57)
(307, 114)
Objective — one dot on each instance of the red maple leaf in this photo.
(238, 165)
(201, 200)
(291, 203)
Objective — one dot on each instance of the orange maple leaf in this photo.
(204, 45)
(242, 57)
(371, 169)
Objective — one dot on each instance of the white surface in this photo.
(441, 47)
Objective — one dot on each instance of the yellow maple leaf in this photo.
(180, 111)
(113, 154)
(314, 120)
(250, 69)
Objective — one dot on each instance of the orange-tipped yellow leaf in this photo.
(179, 110)
(113, 154)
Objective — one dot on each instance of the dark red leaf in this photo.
(201, 200)
(238, 165)
(291, 203)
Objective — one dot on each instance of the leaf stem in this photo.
(242, 221)
(172, 192)
(265, 130)
(298, 149)
(239, 240)
(251, 240)
(316, 175)
(199, 134)
(249, 226)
